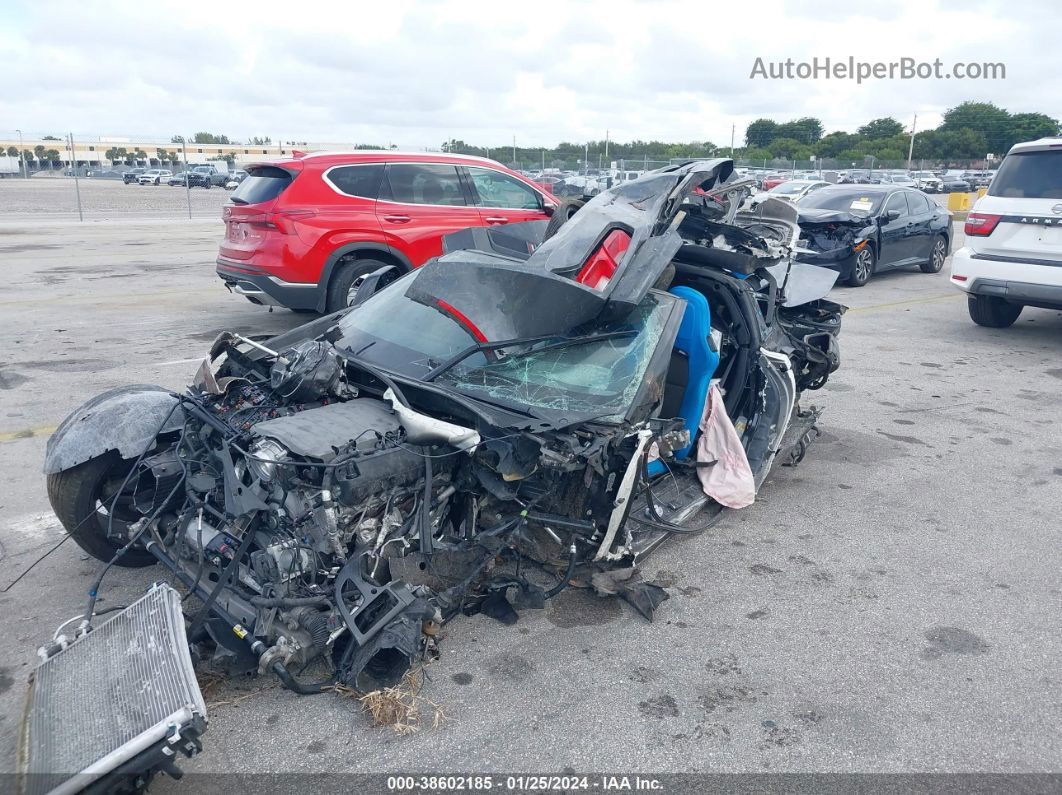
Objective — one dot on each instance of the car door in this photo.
(504, 199)
(920, 232)
(419, 204)
(895, 244)
(347, 213)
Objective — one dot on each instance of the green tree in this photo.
(790, 149)
(885, 127)
(984, 118)
(12, 151)
(177, 139)
(49, 138)
(1029, 127)
(962, 144)
(761, 132)
(211, 138)
(755, 153)
(926, 145)
(139, 154)
(256, 141)
(807, 130)
(38, 150)
(836, 142)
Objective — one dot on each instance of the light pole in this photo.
(187, 186)
(73, 167)
(21, 154)
(910, 148)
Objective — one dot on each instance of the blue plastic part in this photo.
(692, 340)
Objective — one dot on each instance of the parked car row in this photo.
(303, 232)
(926, 181)
(200, 176)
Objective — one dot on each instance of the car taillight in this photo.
(602, 264)
(283, 222)
(981, 224)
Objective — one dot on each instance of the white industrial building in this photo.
(97, 152)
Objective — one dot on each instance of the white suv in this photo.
(154, 176)
(1013, 252)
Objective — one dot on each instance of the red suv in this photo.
(300, 232)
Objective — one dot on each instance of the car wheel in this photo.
(81, 496)
(937, 255)
(993, 312)
(862, 268)
(342, 288)
(561, 216)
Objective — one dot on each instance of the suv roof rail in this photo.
(393, 152)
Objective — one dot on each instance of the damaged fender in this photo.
(126, 419)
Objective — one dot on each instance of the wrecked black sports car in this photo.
(519, 416)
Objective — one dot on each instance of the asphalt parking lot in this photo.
(55, 199)
(890, 605)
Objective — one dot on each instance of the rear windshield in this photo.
(263, 184)
(1029, 175)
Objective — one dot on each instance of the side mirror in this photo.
(361, 291)
(890, 215)
(548, 208)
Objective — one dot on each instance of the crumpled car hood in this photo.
(811, 215)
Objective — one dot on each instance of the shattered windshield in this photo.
(401, 334)
(566, 373)
(596, 378)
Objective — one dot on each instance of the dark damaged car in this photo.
(862, 230)
(537, 409)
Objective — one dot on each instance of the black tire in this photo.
(347, 272)
(561, 216)
(74, 494)
(863, 267)
(987, 310)
(937, 254)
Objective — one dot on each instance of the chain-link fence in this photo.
(92, 176)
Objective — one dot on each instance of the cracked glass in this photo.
(598, 378)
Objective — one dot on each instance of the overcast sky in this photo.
(416, 73)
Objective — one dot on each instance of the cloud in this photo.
(415, 72)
